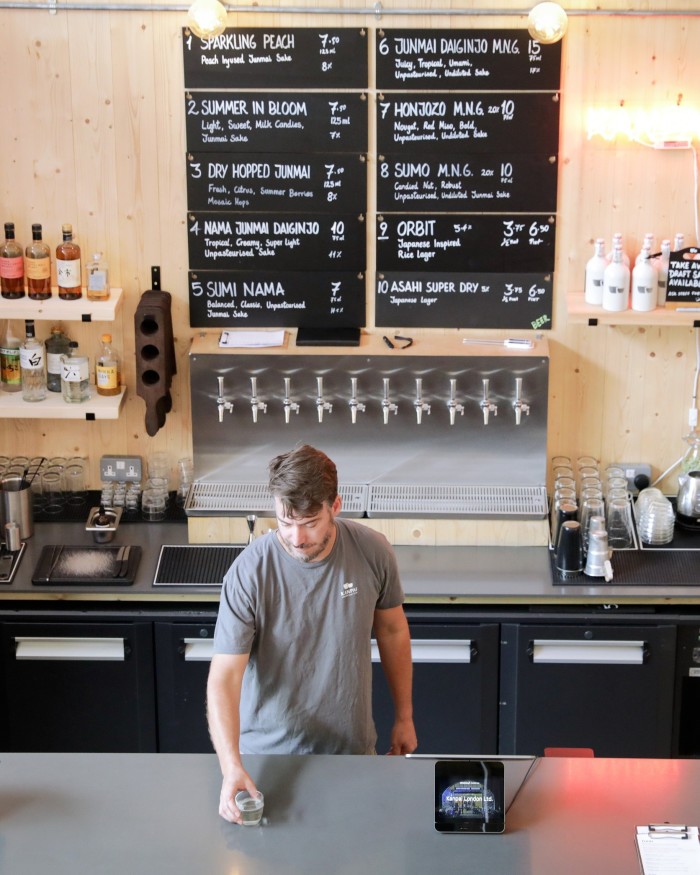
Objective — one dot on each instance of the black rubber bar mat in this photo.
(194, 565)
(642, 568)
(85, 566)
(75, 511)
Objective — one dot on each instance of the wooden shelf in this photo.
(13, 406)
(581, 312)
(54, 308)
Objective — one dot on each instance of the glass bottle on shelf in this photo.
(107, 369)
(57, 345)
(644, 283)
(11, 374)
(68, 270)
(37, 267)
(595, 268)
(662, 272)
(11, 265)
(33, 365)
(75, 375)
(97, 278)
(616, 283)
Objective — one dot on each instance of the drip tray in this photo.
(238, 499)
(194, 565)
(463, 502)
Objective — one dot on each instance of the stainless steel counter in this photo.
(476, 575)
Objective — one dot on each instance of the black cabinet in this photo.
(72, 687)
(455, 689)
(605, 687)
(183, 655)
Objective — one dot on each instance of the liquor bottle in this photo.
(678, 241)
(647, 246)
(11, 265)
(595, 268)
(75, 375)
(617, 242)
(97, 278)
(68, 270)
(37, 267)
(107, 369)
(662, 263)
(33, 365)
(9, 361)
(57, 345)
(644, 283)
(616, 283)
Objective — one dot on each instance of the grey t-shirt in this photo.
(307, 626)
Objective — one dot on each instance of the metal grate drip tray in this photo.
(194, 565)
(465, 502)
(237, 499)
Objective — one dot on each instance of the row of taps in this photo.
(487, 405)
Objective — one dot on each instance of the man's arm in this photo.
(223, 713)
(394, 642)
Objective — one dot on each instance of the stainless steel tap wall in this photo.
(237, 449)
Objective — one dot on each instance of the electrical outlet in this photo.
(635, 472)
(121, 468)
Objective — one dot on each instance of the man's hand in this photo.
(237, 779)
(403, 738)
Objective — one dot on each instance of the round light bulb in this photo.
(547, 22)
(207, 18)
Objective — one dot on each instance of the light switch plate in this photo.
(121, 468)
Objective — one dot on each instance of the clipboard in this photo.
(668, 849)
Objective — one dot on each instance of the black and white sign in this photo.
(276, 182)
(467, 123)
(290, 241)
(464, 300)
(487, 183)
(475, 59)
(219, 121)
(253, 57)
(237, 299)
(684, 276)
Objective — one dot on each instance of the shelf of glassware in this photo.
(672, 314)
(13, 406)
(55, 308)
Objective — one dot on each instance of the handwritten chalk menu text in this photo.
(273, 298)
(455, 124)
(480, 182)
(474, 59)
(289, 121)
(218, 180)
(464, 300)
(277, 58)
(684, 276)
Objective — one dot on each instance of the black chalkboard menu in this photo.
(684, 276)
(493, 60)
(253, 57)
(276, 298)
(464, 300)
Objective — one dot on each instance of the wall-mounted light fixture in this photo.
(547, 22)
(206, 18)
(673, 127)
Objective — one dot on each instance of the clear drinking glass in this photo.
(619, 524)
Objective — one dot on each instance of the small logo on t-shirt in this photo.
(348, 589)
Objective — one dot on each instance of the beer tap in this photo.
(255, 404)
(288, 404)
(519, 405)
(453, 405)
(321, 403)
(222, 403)
(353, 403)
(419, 404)
(388, 406)
(486, 403)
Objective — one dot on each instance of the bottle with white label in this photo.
(68, 270)
(662, 273)
(32, 362)
(616, 283)
(595, 268)
(644, 284)
(75, 376)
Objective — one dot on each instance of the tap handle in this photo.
(385, 381)
(319, 386)
(220, 381)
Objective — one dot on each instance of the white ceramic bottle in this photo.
(644, 283)
(662, 272)
(595, 268)
(616, 283)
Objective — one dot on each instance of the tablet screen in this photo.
(469, 796)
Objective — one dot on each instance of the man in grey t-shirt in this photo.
(291, 671)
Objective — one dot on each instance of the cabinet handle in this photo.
(197, 649)
(437, 650)
(66, 649)
(542, 650)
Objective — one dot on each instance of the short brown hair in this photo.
(303, 479)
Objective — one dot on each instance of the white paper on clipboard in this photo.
(668, 849)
